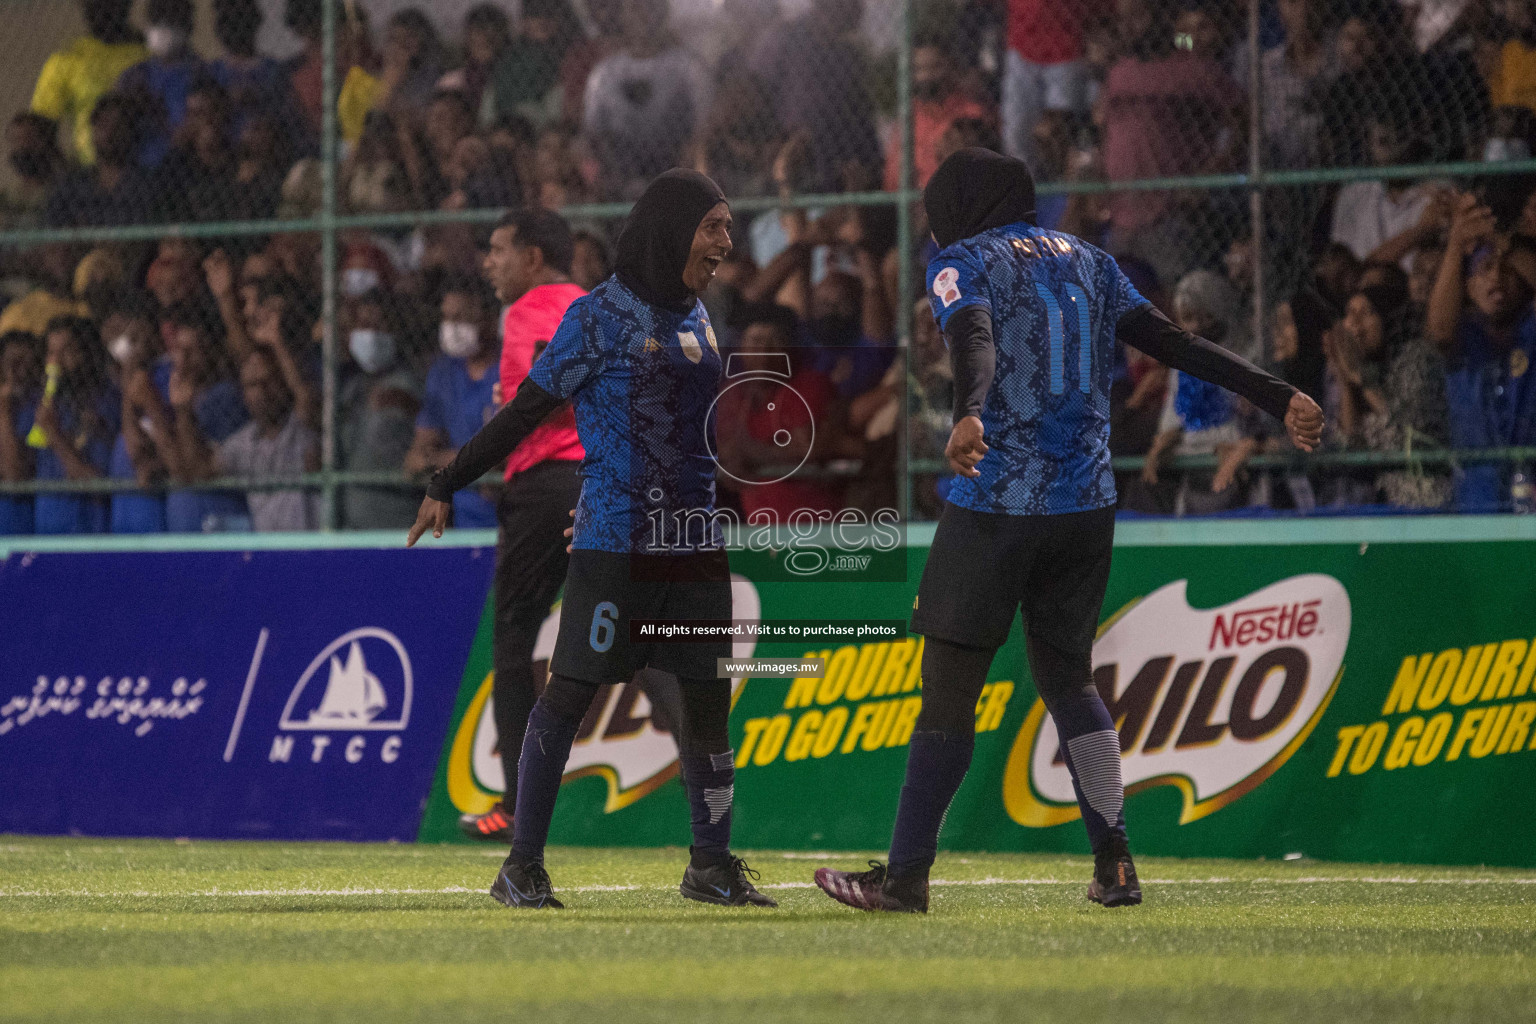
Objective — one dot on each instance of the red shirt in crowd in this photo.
(763, 410)
(529, 324)
(1161, 120)
(930, 120)
(1048, 31)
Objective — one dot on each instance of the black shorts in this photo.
(985, 567)
(605, 589)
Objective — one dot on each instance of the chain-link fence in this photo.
(243, 239)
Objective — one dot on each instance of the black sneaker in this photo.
(728, 884)
(524, 883)
(876, 889)
(494, 825)
(1114, 876)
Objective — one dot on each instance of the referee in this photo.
(639, 361)
(529, 265)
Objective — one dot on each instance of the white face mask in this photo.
(1506, 149)
(459, 340)
(163, 40)
(357, 281)
(373, 350)
(121, 349)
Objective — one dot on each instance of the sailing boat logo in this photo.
(367, 681)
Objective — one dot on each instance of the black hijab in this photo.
(658, 235)
(977, 189)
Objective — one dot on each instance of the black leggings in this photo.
(706, 710)
(953, 676)
(530, 567)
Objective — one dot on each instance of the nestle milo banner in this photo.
(1342, 701)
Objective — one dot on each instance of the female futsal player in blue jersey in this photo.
(1031, 318)
(638, 360)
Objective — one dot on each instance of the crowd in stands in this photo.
(1404, 304)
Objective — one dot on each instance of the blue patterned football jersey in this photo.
(641, 380)
(1054, 301)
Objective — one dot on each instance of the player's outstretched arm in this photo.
(1150, 331)
(494, 442)
(973, 358)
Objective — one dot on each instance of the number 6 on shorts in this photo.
(603, 623)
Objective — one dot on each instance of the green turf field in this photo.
(158, 931)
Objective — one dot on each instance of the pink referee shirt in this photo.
(529, 324)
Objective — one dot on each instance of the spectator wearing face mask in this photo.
(1480, 316)
(365, 268)
(21, 384)
(460, 395)
(74, 78)
(376, 411)
(163, 83)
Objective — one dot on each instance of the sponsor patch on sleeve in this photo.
(946, 285)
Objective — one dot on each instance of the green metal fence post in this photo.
(1256, 166)
(904, 246)
(330, 516)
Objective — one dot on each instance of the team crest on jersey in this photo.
(1212, 701)
(617, 742)
(946, 285)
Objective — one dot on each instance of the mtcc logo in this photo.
(361, 682)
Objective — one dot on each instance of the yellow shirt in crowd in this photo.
(359, 92)
(33, 311)
(75, 77)
(1514, 85)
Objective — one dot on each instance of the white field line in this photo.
(459, 889)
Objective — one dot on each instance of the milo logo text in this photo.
(1211, 701)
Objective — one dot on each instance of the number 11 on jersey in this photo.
(1056, 321)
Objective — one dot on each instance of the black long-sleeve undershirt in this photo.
(973, 356)
(1150, 331)
(494, 441)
